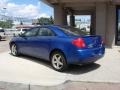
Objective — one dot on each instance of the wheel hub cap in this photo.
(57, 61)
(13, 49)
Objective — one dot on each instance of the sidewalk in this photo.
(33, 71)
(69, 85)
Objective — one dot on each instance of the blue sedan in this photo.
(59, 45)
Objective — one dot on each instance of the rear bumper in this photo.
(84, 56)
(88, 60)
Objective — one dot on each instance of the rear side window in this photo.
(71, 31)
(45, 32)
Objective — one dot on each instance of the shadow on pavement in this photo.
(72, 69)
(81, 69)
(36, 60)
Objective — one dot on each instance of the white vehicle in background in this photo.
(15, 32)
(2, 34)
(22, 30)
(11, 31)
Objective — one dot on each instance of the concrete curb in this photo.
(68, 85)
(13, 86)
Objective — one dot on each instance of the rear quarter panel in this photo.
(64, 44)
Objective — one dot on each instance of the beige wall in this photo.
(111, 25)
(105, 22)
(101, 19)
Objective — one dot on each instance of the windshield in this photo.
(71, 31)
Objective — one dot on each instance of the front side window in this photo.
(31, 32)
(45, 32)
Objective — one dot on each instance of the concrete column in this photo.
(65, 18)
(93, 24)
(60, 15)
(111, 25)
(101, 9)
(72, 20)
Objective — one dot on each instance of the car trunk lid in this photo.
(92, 41)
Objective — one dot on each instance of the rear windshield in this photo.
(71, 31)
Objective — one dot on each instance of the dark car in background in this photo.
(2, 34)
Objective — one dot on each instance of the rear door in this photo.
(43, 42)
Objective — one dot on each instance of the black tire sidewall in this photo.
(16, 50)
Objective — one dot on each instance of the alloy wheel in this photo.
(14, 50)
(57, 61)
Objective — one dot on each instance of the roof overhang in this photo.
(50, 2)
(46, 2)
(78, 4)
(75, 1)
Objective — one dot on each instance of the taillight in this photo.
(79, 42)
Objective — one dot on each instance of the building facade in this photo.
(105, 16)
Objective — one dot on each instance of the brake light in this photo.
(79, 42)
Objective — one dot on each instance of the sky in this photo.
(25, 8)
(31, 9)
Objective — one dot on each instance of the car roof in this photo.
(47, 26)
(56, 30)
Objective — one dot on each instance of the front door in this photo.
(27, 41)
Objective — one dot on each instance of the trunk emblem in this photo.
(90, 45)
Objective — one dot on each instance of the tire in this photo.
(0, 38)
(58, 61)
(14, 50)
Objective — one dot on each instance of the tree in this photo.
(45, 21)
(6, 24)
